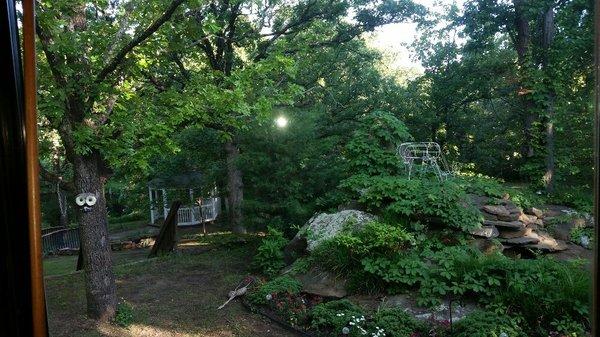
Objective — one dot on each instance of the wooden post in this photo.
(193, 216)
(165, 242)
(38, 305)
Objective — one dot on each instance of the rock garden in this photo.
(404, 264)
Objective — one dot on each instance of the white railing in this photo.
(187, 216)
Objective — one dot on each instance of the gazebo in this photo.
(197, 207)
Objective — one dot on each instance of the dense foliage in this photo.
(532, 297)
(488, 324)
(134, 90)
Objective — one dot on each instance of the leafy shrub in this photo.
(133, 216)
(343, 253)
(567, 327)
(124, 314)
(581, 199)
(269, 256)
(539, 289)
(494, 188)
(372, 148)
(487, 324)
(334, 315)
(280, 285)
(481, 185)
(543, 290)
(300, 266)
(417, 199)
(397, 323)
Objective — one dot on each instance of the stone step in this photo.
(521, 241)
(547, 243)
(485, 232)
(510, 217)
(511, 234)
(517, 225)
(495, 210)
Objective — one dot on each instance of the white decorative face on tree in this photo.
(86, 201)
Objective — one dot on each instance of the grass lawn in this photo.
(61, 265)
(175, 295)
(124, 226)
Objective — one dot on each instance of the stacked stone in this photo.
(514, 227)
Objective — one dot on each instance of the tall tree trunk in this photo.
(93, 232)
(549, 176)
(548, 33)
(235, 188)
(522, 44)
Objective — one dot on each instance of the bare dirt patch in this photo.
(176, 295)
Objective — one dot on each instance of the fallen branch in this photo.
(238, 291)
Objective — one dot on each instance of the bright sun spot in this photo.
(281, 122)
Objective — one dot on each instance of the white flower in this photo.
(269, 297)
(441, 307)
(345, 330)
(585, 241)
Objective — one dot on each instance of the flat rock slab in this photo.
(527, 219)
(524, 240)
(447, 311)
(548, 244)
(496, 210)
(485, 232)
(538, 213)
(510, 217)
(322, 283)
(512, 234)
(505, 224)
(574, 252)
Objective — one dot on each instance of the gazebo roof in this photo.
(189, 180)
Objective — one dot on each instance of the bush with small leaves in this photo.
(398, 323)
(332, 317)
(487, 324)
(124, 314)
(278, 286)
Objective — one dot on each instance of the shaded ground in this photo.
(176, 295)
(61, 265)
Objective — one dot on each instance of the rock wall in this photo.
(515, 227)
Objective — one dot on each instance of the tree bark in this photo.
(549, 176)
(548, 33)
(167, 237)
(61, 197)
(94, 240)
(522, 44)
(235, 188)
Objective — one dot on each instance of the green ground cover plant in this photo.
(124, 315)
(401, 199)
(544, 294)
(487, 324)
(269, 256)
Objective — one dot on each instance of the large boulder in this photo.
(325, 226)
(322, 283)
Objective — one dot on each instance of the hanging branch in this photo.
(116, 60)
